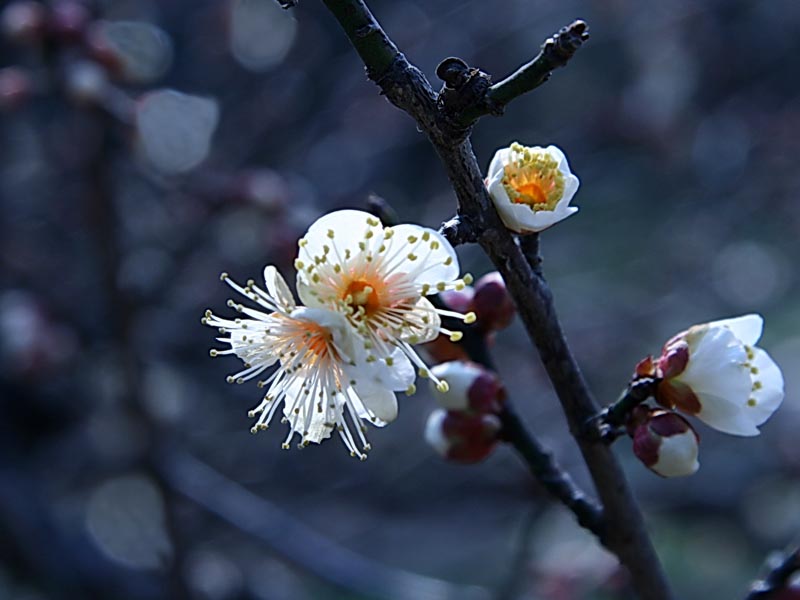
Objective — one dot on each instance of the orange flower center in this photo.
(533, 178)
(363, 294)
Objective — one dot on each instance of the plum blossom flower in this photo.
(665, 442)
(323, 381)
(378, 277)
(716, 372)
(531, 187)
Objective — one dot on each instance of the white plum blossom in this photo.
(717, 373)
(378, 277)
(531, 187)
(323, 381)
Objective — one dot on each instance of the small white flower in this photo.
(716, 372)
(378, 277)
(531, 187)
(323, 380)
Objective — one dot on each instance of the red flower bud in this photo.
(458, 300)
(665, 442)
(471, 388)
(69, 20)
(23, 21)
(16, 86)
(492, 303)
(461, 437)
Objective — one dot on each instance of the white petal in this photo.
(380, 402)
(423, 332)
(459, 376)
(770, 395)
(317, 430)
(430, 266)
(348, 226)
(677, 455)
(746, 328)
(434, 434)
(501, 158)
(725, 416)
(717, 367)
(277, 288)
(307, 292)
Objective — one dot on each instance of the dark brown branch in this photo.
(780, 569)
(609, 423)
(458, 231)
(407, 89)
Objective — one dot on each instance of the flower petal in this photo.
(277, 288)
(746, 328)
(501, 158)
(769, 394)
(379, 403)
(725, 416)
(435, 258)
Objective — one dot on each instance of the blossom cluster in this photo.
(342, 354)
(715, 372)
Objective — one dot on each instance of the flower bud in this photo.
(458, 300)
(471, 387)
(665, 442)
(461, 437)
(23, 21)
(69, 20)
(16, 86)
(492, 303)
(443, 350)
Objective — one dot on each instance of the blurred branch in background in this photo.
(298, 543)
(780, 567)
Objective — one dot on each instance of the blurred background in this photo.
(146, 146)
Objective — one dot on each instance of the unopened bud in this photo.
(492, 303)
(23, 21)
(458, 300)
(69, 20)
(461, 437)
(16, 86)
(665, 442)
(472, 388)
(86, 82)
(442, 349)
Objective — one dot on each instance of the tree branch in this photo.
(781, 567)
(626, 536)
(298, 543)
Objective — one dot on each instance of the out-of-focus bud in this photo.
(461, 437)
(23, 21)
(264, 188)
(492, 303)
(664, 441)
(86, 82)
(443, 350)
(16, 86)
(471, 388)
(68, 20)
(134, 51)
(458, 300)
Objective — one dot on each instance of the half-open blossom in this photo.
(716, 372)
(531, 187)
(665, 442)
(378, 277)
(322, 380)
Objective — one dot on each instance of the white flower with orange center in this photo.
(716, 372)
(378, 277)
(531, 187)
(323, 381)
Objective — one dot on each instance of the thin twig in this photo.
(556, 52)
(780, 569)
(408, 89)
(298, 543)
